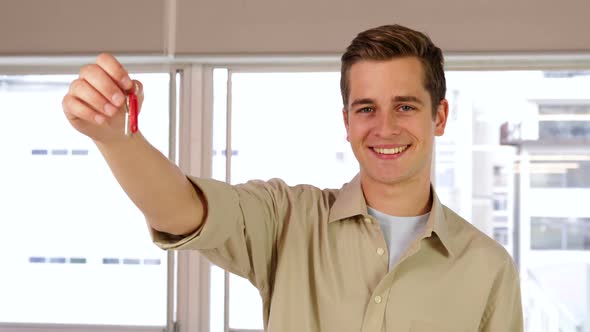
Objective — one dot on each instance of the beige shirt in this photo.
(320, 262)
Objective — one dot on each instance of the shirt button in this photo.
(368, 220)
(380, 251)
(377, 299)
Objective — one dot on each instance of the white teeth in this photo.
(391, 151)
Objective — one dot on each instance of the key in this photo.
(131, 117)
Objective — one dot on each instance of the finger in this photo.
(83, 90)
(115, 70)
(99, 80)
(76, 110)
(139, 93)
(138, 88)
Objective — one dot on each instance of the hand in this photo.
(95, 102)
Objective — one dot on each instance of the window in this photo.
(271, 130)
(550, 233)
(529, 155)
(485, 166)
(501, 235)
(500, 201)
(570, 171)
(75, 248)
(565, 122)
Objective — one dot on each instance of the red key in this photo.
(133, 116)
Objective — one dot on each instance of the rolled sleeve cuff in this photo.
(223, 215)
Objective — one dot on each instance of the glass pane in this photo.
(560, 233)
(524, 135)
(245, 305)
(217, 299)
(571, 171)
(547, 233)
(272, 128)
(75, 249)
(500, 201)
(578, 234)
(279, 117)
(515, 148)
(501, 235)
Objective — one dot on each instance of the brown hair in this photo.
(392, 41)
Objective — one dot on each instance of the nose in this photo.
(387, 124)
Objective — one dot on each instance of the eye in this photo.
(365, 110)
(406, 108)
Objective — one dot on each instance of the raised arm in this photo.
(94, 105)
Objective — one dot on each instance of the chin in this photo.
(391, 181)
(388, 179)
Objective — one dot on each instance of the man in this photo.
(380, 254)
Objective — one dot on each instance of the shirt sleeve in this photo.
(240, 228)
(504, 309)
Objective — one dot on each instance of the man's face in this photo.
(389, 121)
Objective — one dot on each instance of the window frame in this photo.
(180, 268)
(453, 62)
(191, 134)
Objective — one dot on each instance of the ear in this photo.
(442, 113)
(345, 117)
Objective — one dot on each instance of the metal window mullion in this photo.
(228, 155)
(226, 301)
(516, 219)
(195, 143)
(171, 255)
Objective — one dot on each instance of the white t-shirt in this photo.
(399, 232)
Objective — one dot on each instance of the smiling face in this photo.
(389, 121)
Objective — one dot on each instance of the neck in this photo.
(404, 199)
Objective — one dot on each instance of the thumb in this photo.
(138, 90)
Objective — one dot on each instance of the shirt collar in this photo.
(351, 203)
(438, 223)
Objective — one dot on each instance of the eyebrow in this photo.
(364, 101)
(413, 99)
